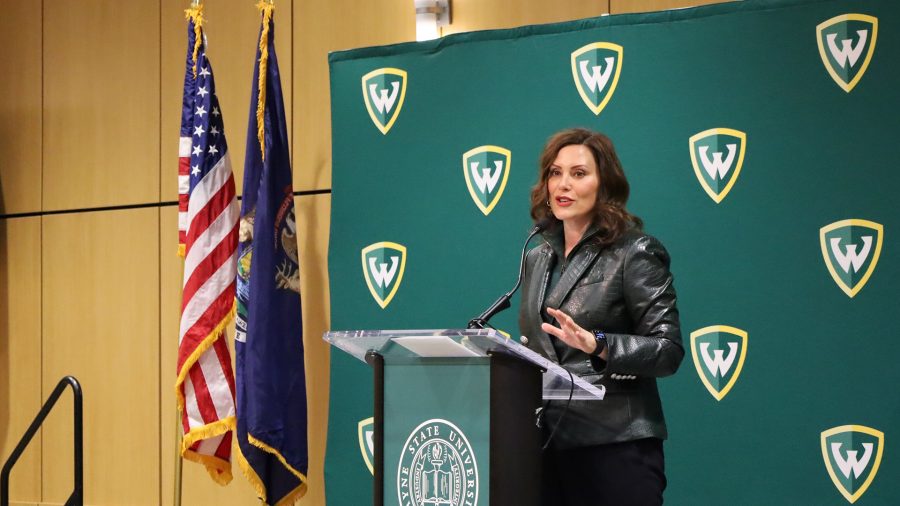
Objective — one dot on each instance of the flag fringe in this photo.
(217, 332)
(266, 8)
(293, 496)
(251, 475)
(181, 250)
(219, 426)
(257, 484)
(268, 449)
(290, 498)
(207, 431)
(195, 14)
(214, 466)
(219, 470)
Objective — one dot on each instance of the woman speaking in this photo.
(598, 299)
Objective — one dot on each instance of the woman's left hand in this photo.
(571, 333)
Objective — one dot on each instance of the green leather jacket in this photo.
(624, 290)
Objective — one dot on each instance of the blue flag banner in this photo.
(271, 384)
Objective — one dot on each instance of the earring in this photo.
(548, 202)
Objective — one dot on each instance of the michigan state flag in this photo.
(271, 384)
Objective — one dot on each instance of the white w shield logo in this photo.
(596, 68)
(486, 170)
(846, 45)
(366, 432)
(383, 265)
(851, 249)
(717, 155)
(852, 455)
(719, 352)
(383, 92)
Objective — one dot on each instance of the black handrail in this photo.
(77, 495)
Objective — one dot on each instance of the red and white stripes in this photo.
(205, 377)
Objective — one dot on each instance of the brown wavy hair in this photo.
(609, 211)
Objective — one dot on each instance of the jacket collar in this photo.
(580, 258)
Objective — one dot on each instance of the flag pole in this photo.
(178, 460)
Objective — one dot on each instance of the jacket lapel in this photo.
(583, 256)
(567, 280)
(543, 266)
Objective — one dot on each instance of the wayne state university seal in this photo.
(437, 467)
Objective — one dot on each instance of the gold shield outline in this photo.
(837, 483)
(596, 108)
(392, 71)
(362, 442)
(718, 197)
(719, 395)
(878, 227)
(487, 149)
(848, 87)
(388, 245)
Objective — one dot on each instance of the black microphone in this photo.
(480, 321)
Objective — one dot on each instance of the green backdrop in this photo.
(811, 407)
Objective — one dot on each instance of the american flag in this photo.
(208, 226)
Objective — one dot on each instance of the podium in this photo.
(456, 414)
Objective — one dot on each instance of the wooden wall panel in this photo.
(170, 281)
(173, 47)
(319, 28)
(101, 324)
(313, 225)
(20, 108)
(101, 103)
(471, 15)
(232, 31)
(20, 350)
(623, 6)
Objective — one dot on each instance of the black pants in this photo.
(617, 474)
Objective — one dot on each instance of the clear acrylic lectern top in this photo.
(402, 345)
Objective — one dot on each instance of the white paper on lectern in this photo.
(434, 346)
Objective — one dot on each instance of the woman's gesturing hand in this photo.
(571, 333)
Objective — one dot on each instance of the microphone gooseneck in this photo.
(480, 321)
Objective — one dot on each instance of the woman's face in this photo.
(572, 185)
